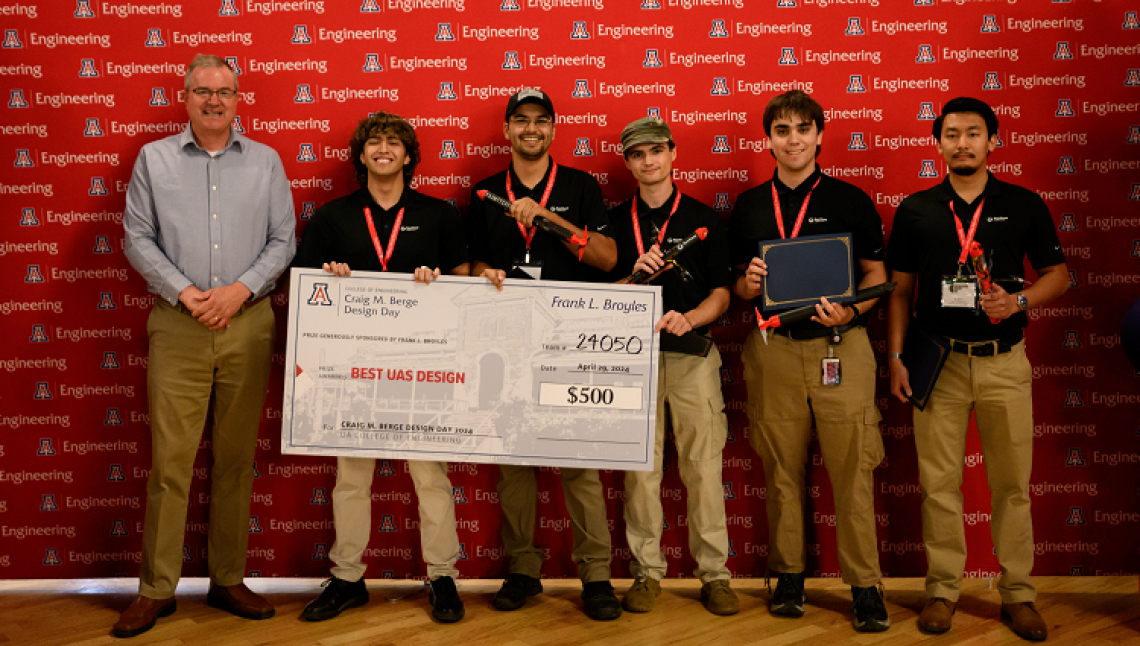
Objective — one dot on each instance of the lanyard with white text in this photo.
(963, 237)
(384, 256)
(529, 236)
(799, 218)
(661, 233)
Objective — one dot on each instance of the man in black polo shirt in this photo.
(987, 370)
(503, 242)
(688, 384)
(783, 373)
(386, 226)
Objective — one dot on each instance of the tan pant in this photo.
(189, 363)
(998, 390)
(689, 388)
(585, 504)
(352, 516)
(784, 394)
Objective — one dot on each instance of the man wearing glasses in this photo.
(502, 242)
(209, 224)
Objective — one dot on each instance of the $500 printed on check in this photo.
(542, 373)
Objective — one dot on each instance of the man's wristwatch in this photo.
(1022, 302)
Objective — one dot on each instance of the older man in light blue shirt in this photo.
(209, 224)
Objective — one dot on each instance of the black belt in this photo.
(983, 348)
(811, 333)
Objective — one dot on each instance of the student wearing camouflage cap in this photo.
(688, 385)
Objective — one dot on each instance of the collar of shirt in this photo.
(944, 192)
(187, 138)
(659, 213)
(521, 190)
(804, 187)
(364, 198)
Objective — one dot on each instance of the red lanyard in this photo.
(660, 234)
(799, 218)
(528, 236)
(384, 256)
(963, 237)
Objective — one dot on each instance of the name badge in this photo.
(960, 293)
(530, 268)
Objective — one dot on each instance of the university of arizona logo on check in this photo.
(543, 372)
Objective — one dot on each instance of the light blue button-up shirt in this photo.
(193, 218)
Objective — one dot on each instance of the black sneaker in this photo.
(870, 612)
(788, 601)
(447, 607)
(600, 601)
(339, 595)
(516, 588)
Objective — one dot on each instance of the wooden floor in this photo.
(1078, 611)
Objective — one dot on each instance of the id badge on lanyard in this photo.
(532, 268)
(961, 291)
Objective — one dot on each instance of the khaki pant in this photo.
(352, 516)
(784, 394)
(188, 364)
(585, 503)
(998, 390)
(689, 387)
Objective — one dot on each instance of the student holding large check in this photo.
(386, 227)
(502, 243)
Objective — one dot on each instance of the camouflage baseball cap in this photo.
(647, 130)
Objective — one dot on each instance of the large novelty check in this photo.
(547, 373)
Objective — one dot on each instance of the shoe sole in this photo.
(499, 603)
(166, 611)
(354, 603)
(604, 616)
(872, 626)
(933, 630)
(723, 612)
(215, 602)
(787, 611)
(447, 617)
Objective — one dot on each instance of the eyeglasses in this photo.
(225, 94)
(539, 122)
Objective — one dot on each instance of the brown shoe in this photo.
(935, 617)
(239, 600)
(141, 615)
(1025, 621)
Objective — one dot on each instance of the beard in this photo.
(964, 171)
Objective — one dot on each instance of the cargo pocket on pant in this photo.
(872, 439)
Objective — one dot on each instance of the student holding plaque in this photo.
(821, 370)
(505, 244)
(946, 243)
(695, 293)
(387, 226)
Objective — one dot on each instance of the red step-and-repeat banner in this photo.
(87, 83)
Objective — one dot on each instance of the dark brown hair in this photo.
(383, 124)
(793, 103)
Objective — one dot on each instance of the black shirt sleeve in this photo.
(903, 253)
(452, 240)
(477, 235)
(718, 270)
(593, 207)
(1043, 247)
(869, 234)
(314, 249)
(741, 238)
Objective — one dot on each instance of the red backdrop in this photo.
(88, 83)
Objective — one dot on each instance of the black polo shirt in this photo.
(495, 237)
(835, 207)
(1015, 223)
(431, 234)
(706, 261)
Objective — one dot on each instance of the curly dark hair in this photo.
(383, 124)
